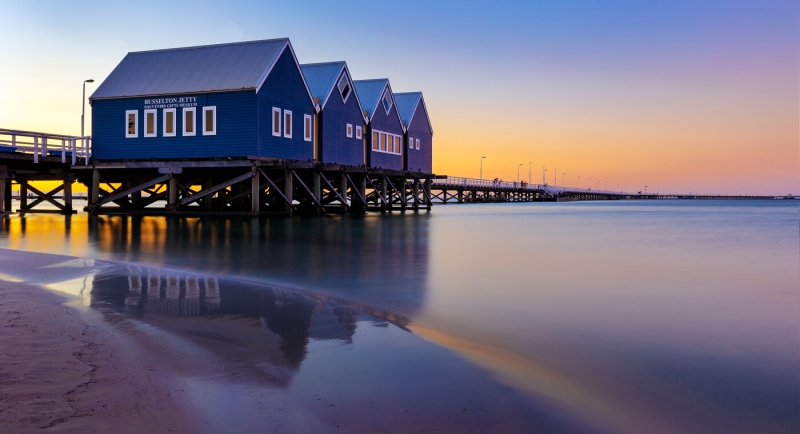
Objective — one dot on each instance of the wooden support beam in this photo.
(68, 195)
(308, 190)
(3, 193)
(288, 191)
(172, 190)
(203, 193)
(387, 206)
(23, 194)
(415, 190)
(42, 197)
(208, 201)
(255, 192)
(359, 190)
(274, 188)
(427, 190)
(315, 185)
(94, 195)
(342, 181)
(377, 192)
(120, 194)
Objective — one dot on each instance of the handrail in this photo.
(37, 143)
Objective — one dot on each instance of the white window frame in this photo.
(193, 110)
(389, 142)
(389, 104)
(349, 130)
(308, 127)
(359, 133)
(410, 143)
(135, 134)
(174, 122)
(417, 144)
(340, 86)
(154, 112)
(287, 135)
(211, 108)
(277, 132)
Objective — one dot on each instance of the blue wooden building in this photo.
(384, 129)
(418, 136)
(340, 123)
(229, 100)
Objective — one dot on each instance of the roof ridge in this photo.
(209, 45)
(322, 63)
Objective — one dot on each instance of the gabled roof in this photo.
(208, 68)
(323, 78)
(370, 93)
(407, 104)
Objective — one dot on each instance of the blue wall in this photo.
(337, 148)
(420, 160)
(389, 123)
(236, 129)
(284, 88)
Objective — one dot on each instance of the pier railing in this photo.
(46, 145)
(455, 182)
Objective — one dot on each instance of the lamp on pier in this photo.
(83, 102)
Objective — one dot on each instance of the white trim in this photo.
(135, 134)
(193, 110)
(277, 132)
(386, 96)
(213, 131)
(296, 64)
(287, 135)
(388, 135)
(359, 133)
(358, 100)
(153, 112)
(417, 144)
(308, 128)
(349, 130)
(164, 122)
(410, 143)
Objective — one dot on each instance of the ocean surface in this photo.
(629, 316)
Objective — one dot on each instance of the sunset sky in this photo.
(682, 96)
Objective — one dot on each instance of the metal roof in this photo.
(370, 93)
(321, 78)
(209, 68)
(407, 104)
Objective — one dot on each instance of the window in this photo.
(387, 101)
(307, 128)
(417, 144)
(276, 122)
(210, 121)
(358, 133)
(375, 140)
(150, 123)
(387, 142)
(350, 130)
(189, 122)
(287, 124)
(132, 124)
(410, 143)
(169, 122)
(344, 88)
(383, 142)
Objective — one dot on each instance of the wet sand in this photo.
(131, 348)
(62, 370)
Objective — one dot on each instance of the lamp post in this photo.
(544, 171)
(578, 183)
(563, 186)
(555, 177)
(590, 183)
(645, 190)
(83, 102)
(482, 168)
(518, 166)
(544, 177)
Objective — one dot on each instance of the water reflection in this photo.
(377, 261)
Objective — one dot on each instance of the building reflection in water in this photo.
(380, 261)
(160, 296)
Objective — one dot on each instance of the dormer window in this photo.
(344, 88)
(387, 101)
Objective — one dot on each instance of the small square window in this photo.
(410, 143)
(169, 122)
(417, 144)
(132, 124)
(358, 133)
(307, 128)
(189, 121)
(150, 123)
(287, 124)
(350, 130)
(210, 121)
(276, 122)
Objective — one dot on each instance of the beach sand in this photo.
(63, 370)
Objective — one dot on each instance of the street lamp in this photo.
(544, 172)
(83, 102)
(530, 165)
(518, 166)
(563, 186)
(555, 177)
(482, 168)
(645, 190)
(590, 183)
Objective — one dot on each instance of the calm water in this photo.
(662, 316)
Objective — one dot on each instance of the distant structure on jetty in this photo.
(245, 129)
